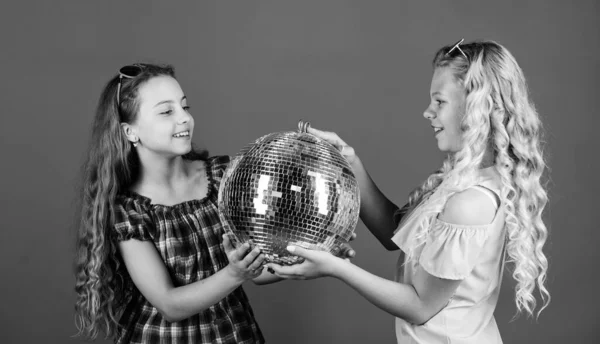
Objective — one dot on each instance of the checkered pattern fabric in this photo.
(188, 238)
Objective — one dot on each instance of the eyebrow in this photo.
(169, 101)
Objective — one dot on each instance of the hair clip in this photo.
(457, 46)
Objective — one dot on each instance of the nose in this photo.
(429, 114)
(184, 116)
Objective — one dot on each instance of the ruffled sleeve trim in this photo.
(217, 166)
(132, 219)
(452, 251)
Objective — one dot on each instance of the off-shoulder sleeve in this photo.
(218, 165)
(132, 221)
(452, 251)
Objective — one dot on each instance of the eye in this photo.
(439, 102)
(167, 112)
(187, 108)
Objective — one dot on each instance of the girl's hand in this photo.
(345, 251)
(316, 264)
(244, 264)
(337, 142)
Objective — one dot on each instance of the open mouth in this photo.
(437, 130)
(182, 134)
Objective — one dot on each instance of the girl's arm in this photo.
(150, 276)
(376, 210)
(267, 277)
(416, 302)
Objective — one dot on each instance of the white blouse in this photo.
(473, 254)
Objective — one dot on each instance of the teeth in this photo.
(182, 134)
(437, 130)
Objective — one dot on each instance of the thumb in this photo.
(328, 136)
(227, 243)
(300, 252)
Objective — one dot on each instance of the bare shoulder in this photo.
(470, 207)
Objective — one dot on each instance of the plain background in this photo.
(361, 68)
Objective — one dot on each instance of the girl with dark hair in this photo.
(152, 263)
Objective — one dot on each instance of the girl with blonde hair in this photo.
(480, 210)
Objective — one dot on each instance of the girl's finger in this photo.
(284, 271)
(328, 136)
(227, 244)
(258, 262)
(346, 252)
(241, 251)
(257, 271)
(251, 256)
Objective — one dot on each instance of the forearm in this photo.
(398, 299)
(376, 210)
(185, 301)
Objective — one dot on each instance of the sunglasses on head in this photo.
(129, 72)
(456, 46)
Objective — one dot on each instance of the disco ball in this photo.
(290, 188)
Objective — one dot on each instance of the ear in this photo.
(129, 132)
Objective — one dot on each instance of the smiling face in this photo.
(447, 107)
(163, 124)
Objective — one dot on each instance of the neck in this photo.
(160, 171)
(488, 158)
(487, 161)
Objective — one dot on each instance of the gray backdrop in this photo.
(361, 68)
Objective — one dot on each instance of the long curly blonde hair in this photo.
(499, 115)
(102, 284)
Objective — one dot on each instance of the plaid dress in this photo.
(188, 238)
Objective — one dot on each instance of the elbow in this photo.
(170, 315)
(415, 317)
(170, 311)
(421, 316)
(173, 315)
(418, 315)
(172, 307)
(389, 245)
(385, 239)
(420, 319)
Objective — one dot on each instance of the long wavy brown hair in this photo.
(500, 113)
(102, 284)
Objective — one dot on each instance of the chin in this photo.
(182, 151)
(443, 148)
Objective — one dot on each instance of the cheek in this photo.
(455, 120)
(157, 130)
